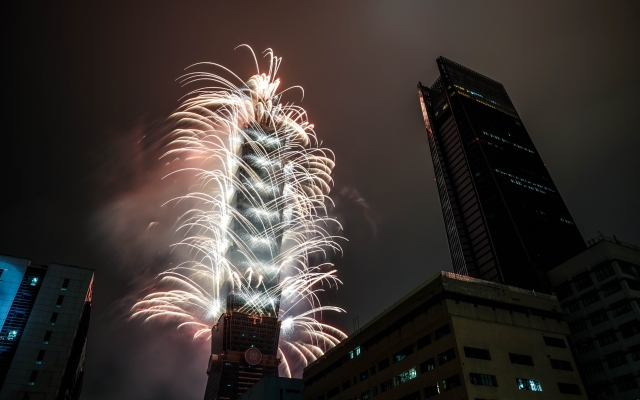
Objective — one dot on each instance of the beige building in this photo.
(454, 337)
(599, 291)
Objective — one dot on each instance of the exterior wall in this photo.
(57, 351)
(479, 314)
(599, 291)
(272, 388)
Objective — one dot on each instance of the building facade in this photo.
(504, 217)
(275, 388)
(454, 337)
(599, 290)
(44, 312)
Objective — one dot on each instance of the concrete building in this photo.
(44, 314)
(454, 337)
(599, 291)
(275, 388)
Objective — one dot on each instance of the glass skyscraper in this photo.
(44, 314)
(504, 216)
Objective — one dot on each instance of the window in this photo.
(585, 346)
(32, 378)
(598, 317)
(54, 318)
(354, 353)
(402, 354)
(582, 281)
(383, 364)
(432, 390)
(405, 376)
(481, 354)
(451, 382)
(561, 364)
(629, 329)
(483, 379)
(346, 384)
(442, 332)
(333, 392)
(40, 357)
(563, 290)
(33, 281)
(373, 370)
(528, 384)
(59, 302)
(554, 342)
(364, 374)
(593, 367)
(427, 365)
(425, 341)
(611, 288)
(590, 297)
(634, 285)
(569, 388)
(577, 326)
(603, 271)
(65, 284)
(12, 335)
(635, 352)
(386, 385)
(626, 268)
(355, 380)
(616, 359)
(374, 391)
(571, 306)
(47, 337)
(365, 395)
(626, 382)
(607, 337)
(620, 307)
(520, 359)
(446, 356)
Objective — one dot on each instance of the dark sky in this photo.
(83, 82)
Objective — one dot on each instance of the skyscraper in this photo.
(504, 216)
(44, 313)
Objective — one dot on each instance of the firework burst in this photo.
(259, 214)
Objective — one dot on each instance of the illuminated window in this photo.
(446, 356)
(32, 378)
(402, 354)
(355, 352)
(365, 395)
(40, 357)
(47, 337)
(33, 281)
(406, 376)
(12, 335)
(483, 379)
(528, 384)
(432, 390)
(427, 365)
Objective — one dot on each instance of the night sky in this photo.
(87, 86)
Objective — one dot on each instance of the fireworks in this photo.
(259, 217)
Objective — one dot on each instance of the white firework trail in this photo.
(261, 195)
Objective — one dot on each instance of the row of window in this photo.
(601, 272)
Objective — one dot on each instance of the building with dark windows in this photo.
(504, 217)
(599, 290)
(275, 388)
(44, 314)
(454, 337)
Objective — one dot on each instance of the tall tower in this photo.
(504, 217)
(244, 342)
